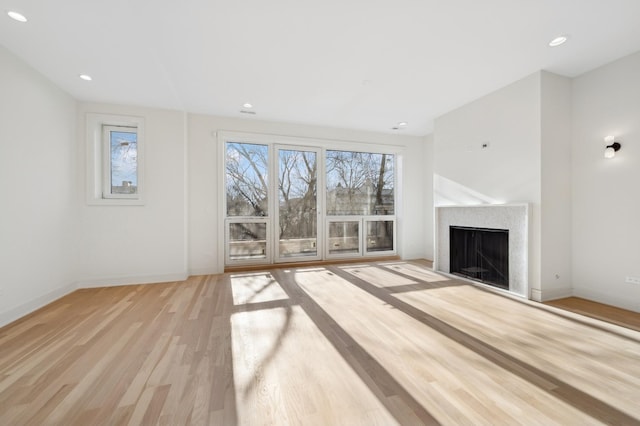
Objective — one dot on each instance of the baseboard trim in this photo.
(596, 296)
(554, 294)
(313, 263)
(116, 281)
(536, 295)
(25, 309)
(204, 271)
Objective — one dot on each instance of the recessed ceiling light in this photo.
(17, 16)
(558, 41)
(85, 77)
(402, 124)
(247, 105)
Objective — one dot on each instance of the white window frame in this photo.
(362, 222)
(268, 259)
(331, 219)
(278, 258)
(107, 167)
(98, 190)
(228, 220)
(223, 136)
(380, 218)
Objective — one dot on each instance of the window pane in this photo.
(123, 149)
(246, 166)
(379, 235)
(297, 218)
(343, 237)
(247, 241)
(360, 183)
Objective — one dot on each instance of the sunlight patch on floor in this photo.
(255, 288)
(287, 372)
(415, 271)
(377, 276)
(450, 380)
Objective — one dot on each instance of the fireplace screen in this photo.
(480, 254)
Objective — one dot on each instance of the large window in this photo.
(297, 221)
(360, 203)
(247, 201)
(359, 183)
(247, 179)
(275, 213)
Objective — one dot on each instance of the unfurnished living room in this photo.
(320, 212)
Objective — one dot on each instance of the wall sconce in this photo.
(612, 147)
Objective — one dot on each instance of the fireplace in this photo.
(481, 254)
(511, 217)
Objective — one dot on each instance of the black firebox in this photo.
(480, 254)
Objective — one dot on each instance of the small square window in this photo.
(247, 241)
(380, 236)
(344, 237)
(115, 146)
(120, 162)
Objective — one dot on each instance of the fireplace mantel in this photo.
(513, 217)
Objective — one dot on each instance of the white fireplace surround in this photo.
(513, 217)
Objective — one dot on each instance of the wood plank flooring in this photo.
(599, 311)
(378, 343)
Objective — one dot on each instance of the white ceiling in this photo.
(359, 64)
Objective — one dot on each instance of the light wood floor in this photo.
(361, 344)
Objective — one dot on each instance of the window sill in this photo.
(115, 202)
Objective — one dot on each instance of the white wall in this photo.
(427, 191)
(138, 244)
(204, 211)
(174, 233)
(508, 171)
(51, 239)
(38, 234)
(555, 275)
(606, 193)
